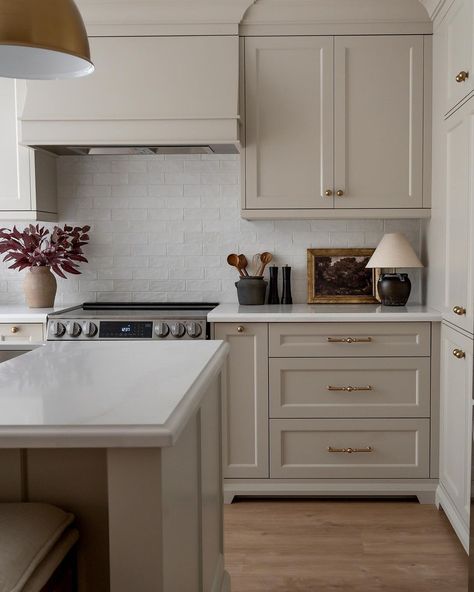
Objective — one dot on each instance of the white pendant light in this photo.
(43, 40)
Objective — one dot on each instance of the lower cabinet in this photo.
(454, 492)
(309, 411)
(245, 409)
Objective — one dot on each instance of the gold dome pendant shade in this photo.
(43, 40)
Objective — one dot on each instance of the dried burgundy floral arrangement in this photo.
(37, 247)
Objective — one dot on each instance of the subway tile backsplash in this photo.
(162, 227)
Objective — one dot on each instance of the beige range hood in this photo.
(148, 95)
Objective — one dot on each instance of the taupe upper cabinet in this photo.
(334, 126)
(459, 52)
(27, 177)
(289, 129)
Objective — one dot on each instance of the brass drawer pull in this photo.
(240, 329)
(459, 310)
(328, 193)
(462, 76)
(459, 354)
(350, 450)
(340, 193)
(14, 330)
(349, 389)
(349, 339)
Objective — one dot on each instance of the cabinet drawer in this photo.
(349, 387)
(385, 448)
(349, 339)
(21, 332)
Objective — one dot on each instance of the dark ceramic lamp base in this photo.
(394, 289)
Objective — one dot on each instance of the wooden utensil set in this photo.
(259, 263)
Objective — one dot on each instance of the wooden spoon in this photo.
(265, 259)
(255, 263)
(234, 261)
(243, 264)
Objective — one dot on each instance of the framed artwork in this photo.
(339, 276)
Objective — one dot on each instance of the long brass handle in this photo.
(351, 450)
(349, 339)
(459, 310)
(459, 354)
(349, 389)
(462, 76)
(328, 193)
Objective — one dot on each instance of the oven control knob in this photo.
(73, 329)
(194, 330)
(57, 329)
(162, 330)
(178, 330)
(89, 329)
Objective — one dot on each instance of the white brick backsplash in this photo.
(162, 228)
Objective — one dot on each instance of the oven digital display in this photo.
(126, 330)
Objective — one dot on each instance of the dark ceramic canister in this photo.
(273, 296)
(251, 290)
(286, 295)
(394, 289)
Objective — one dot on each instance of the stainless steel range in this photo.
(119, 321)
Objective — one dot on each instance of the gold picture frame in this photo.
(346, 287)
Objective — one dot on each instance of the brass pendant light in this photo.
(43, 40)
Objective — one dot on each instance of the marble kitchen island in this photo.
(127, 436)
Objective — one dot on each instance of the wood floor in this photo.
(341, 546)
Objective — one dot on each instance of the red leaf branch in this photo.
(35, 246)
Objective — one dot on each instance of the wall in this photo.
(162, 228)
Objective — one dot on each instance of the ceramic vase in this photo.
(40, 287)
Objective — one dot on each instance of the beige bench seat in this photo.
(34, 539)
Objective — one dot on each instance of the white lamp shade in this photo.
(394, 251)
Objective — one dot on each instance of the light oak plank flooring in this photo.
(342, 546)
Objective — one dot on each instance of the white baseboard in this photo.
(458, 524)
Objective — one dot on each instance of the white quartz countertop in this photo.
(20, 313)
(320, 313)
(105, 394)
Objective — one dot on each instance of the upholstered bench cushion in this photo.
(27, 534)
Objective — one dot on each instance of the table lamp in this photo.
(394, 251)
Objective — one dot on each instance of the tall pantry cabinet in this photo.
(449, 250)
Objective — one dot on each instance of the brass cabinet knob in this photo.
(14, 330)
(240, 329)
(339, 193)
(459, 310)
(462, 76)
(328, 193)
(459, 354)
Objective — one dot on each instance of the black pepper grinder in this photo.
(273, 296)
(286, 296)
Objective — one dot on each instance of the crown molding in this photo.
(337, 17)
(433, 7)
(106, 17)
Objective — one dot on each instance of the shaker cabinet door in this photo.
(457, 31)
(456, 419)
(379, 121)
(15, 190)
(458, 293)
(245, 406)
(289, 122)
